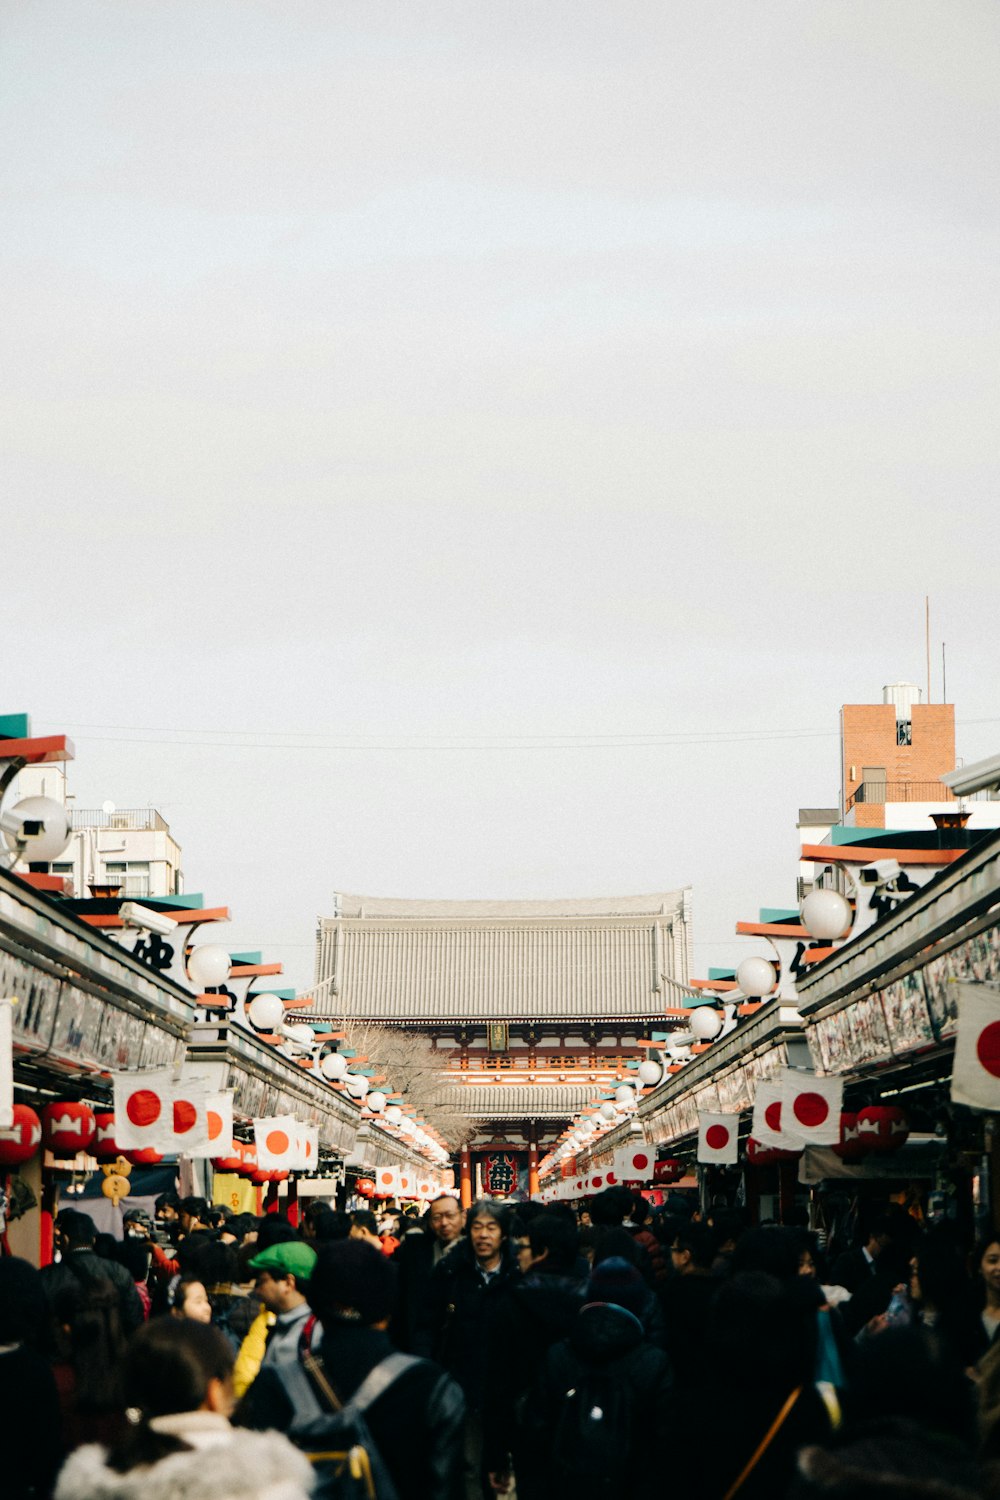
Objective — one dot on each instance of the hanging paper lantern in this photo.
(668, 1170)
(143, 1156)
(882, 1127)
(766, 1156)
(850, 1147)
(233, 1162)
(68, 1128)
(20, 1140)
(247, 1153)
(104, 1146)
(365, 1187)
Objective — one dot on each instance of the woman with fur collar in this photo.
(180, 1445)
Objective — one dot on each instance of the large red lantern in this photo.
(104, 1146)
(68, 1128)
(768, 1156)
(850, 1147)
(233, 1162)
(668, 1170)
(247, 1153)
(20, 1141)
(882, 1127)
(365, 1187)
(143, 1156)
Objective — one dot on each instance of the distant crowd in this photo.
(528, 1349)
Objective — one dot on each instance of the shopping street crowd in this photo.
(527, 1350)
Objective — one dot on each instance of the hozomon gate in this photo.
(533, 1005)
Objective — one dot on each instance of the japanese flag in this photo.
(975, 1078)
(425, 1188)
(219, 1123)
(307, 1148)
(276, 1140)
(407, 1183)
(189, 1119)
(810, 1109)
(634, 1164)
(766, 1129)
(718, 1139)
(144, 1105)
(6, 1063)
(387, 1181)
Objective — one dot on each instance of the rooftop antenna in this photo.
(927, 626)
(944, 676)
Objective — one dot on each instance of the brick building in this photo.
(894, 751)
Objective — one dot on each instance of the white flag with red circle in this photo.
(386, 1182)
(189, 1118)
(307, 1148)
(975, 1077)
(276, 1139)
(634, 1164)
(217, 1110)
(406, 1183)
(718, 1139)
(144, 1104)
(766, 1128)
(810, 1108)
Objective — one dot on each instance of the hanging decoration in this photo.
(500, 1174)
(67, 1128)
(20, 1140)
(718, 1139)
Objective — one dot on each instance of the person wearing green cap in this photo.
(283, 1274)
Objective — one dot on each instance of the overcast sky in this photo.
(384, 385)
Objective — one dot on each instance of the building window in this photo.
(904, 732)
(133, 877)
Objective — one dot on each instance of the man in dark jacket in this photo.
(457, 1327)
(419, 1253)
(531, 1313)
(74, 1237)
(415, 1424)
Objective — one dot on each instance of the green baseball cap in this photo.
(289, 1258)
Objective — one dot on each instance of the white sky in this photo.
(384, 373)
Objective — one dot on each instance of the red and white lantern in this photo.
(67, 1128)
(104, 1146)
(144, 1156)
(669, 1169)
(850, 1147)
(768, 1156)
(20, 1140)
(364, 1187)
(881, 1127)
(247, 1153)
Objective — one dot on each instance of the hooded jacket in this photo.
(220, 1463)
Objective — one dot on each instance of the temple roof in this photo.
(524, 1101)
(602, 958)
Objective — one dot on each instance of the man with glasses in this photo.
(416, 1259)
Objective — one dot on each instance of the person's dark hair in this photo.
(775, 1250)
(105, 1245)
(166, 1200)
(616, 1242)
(363, 1218)
(240, 1225)
(608, 1209)
(351, 1282)
(330, 1225)
(180, 1291)
(168, 1368)
(639, 1210)
(728, 1224)
(911, 1373)
(217, 1264)
(217, 1215)
(274, 1229)
(89, 1307)
(557, 1235)
(530, 1210)
(752, 1310)
(190, 1251)
(697, 1238)
(886, 1460)
(24, 1307)
(134, 1256)
(196, 1207)
(77, 1228)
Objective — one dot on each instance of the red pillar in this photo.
(533, 1183)
(465, 1177)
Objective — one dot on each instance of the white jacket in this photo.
(225, 1463)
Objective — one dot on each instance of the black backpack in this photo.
(338, 1443)
(594, 1424)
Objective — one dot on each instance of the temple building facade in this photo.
(534, 1006)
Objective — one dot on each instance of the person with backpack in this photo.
(603, 1399)
(75, 1236)
(355, 1391)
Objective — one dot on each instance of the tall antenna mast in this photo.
(927, 627)
(944, 676)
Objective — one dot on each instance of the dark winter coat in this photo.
(456, 1328)
(83, 1265)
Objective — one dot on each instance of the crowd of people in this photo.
(527, 1349)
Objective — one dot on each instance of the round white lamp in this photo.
(376, 1101)
(209, 965)
(706, 1022)
(266, 1012)
(650, 1073)
(394, 1114)
(302, 1034)
(53, 829)
(608, 1111)
(756, 978)
(625, 1096)
(357, 1085)
(333, 1067)
(826, 914)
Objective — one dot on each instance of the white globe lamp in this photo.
(394, 1114)
(266, 1012)
(756, 978)
(608, 1111)
(209, 965)
(625, 1096)
(376, 1101)
(826, 914)
(357, 1085)
(333, 1067)
(301, 1034)
(650, 1073)
(37, 829)
(706, 1023)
